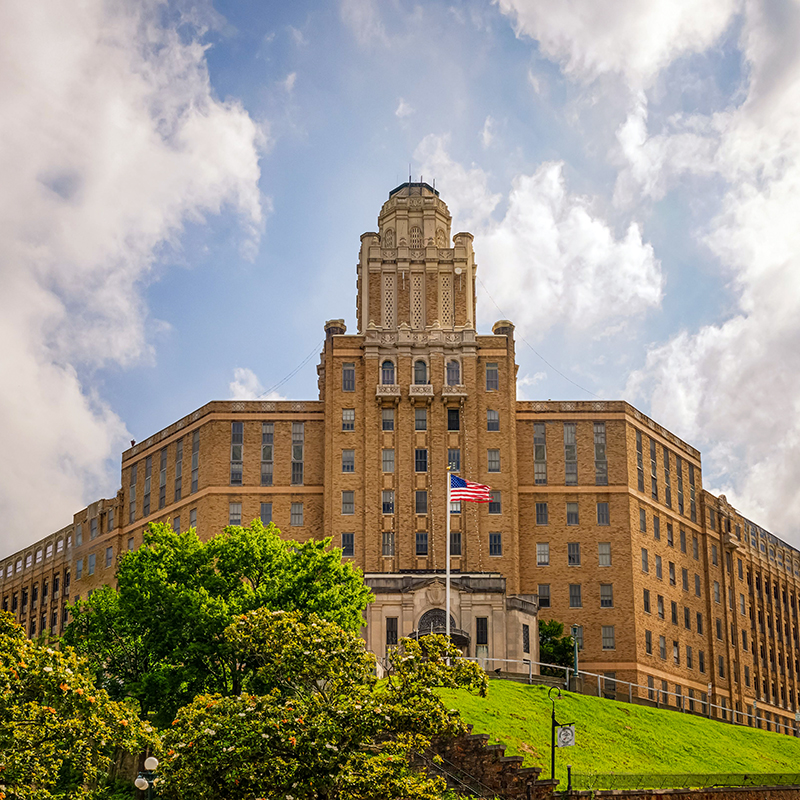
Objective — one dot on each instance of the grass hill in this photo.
(618, 737)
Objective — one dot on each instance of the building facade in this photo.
(598, 516)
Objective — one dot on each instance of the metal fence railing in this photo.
(622, 781)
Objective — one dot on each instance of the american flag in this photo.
(469, 491)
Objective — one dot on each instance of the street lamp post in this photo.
(146, 779)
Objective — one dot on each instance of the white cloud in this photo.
(403, 109)
(363, 18)
(526, 382)
(732, 387)
(550, 260)
(487, 134)
(110, 140)
(247, 386)
(289, 81)
(628, 37)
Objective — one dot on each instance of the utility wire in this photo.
(558, 371)
(294, 371)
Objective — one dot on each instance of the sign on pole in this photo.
(566, 736)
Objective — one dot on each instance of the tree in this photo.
(554, 646)
(314, 721)
(58, 732)
(159, 636)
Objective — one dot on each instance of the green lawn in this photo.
(618, 737)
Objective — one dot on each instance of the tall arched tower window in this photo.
(416, 238)
(387, 373)
(420, 373)
(453, 373)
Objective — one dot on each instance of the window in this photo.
(572, 513)
(714, 554)
(692, 498)
(109, 556)
(699, 619)
(495, 503)
(148, 476)
(387, 501)
(495, 544)
(573, 554)
(646, 600)
(653, 478)
(718, 622)
(492, 420)
(671, 573)
(90, 565)
(349, 460)
(606, 595)
(542, 554)
(575, 595)
(420, 373)
(348, 419)
(667, 480)
(192, 519)
(453, 373)
(697, 585)
(603, 516)
(387, 460)
(453, 419)
(526, 638)
(421, 501)
(296, 516)
(387, 544)
(267, 453)
(689, 663)
(570, 454)
(742, 610)
(608, 637)
(544, 595)
(716, 591)
(420, 419)
(685, 579)
(195, 461)
(492, 377)
(92, 535)
(493, 460)
(639, 462)
(539, 454)
(348, 545)
(132, 493)
(348, 377)
(674, 612)
(721, 666)
(670, 536)
(237, 439)
(387, 373)
(660, 606)
(604, 554)
(656, 527)
(391, 631)
(455, 506)
(662, 647)
(348, 503)
(420, 460)
(234, 513)
(600, 458)
(642, 520)
(482, 637)
(541, 513)
(266, 513)
(455, 543)
(415, 235)
(298, 447)
(648, 642)
(676, 653)
(387, 419)
(659, 573)
(422, 543)
(454, 459)
(645, 565)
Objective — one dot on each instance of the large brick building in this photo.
(599, 518)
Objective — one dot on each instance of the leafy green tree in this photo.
(159, 636)
(58, 732)
(314, 721)
(554, 646)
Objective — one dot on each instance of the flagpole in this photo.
(447, 565)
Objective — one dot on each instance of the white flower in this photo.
(209, 731)
(48, 669)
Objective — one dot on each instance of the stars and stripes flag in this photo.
(461, 489)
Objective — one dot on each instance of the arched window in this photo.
(416, 238)
(388, 238)
(453, 373)
(434, 620)
(387, 373)
(420, 373)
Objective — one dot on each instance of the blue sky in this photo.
(186, 184)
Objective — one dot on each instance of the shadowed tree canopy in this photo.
(159, 636)
(554, 646)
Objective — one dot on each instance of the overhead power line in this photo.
(294, 371)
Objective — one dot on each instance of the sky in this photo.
(184, 185)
